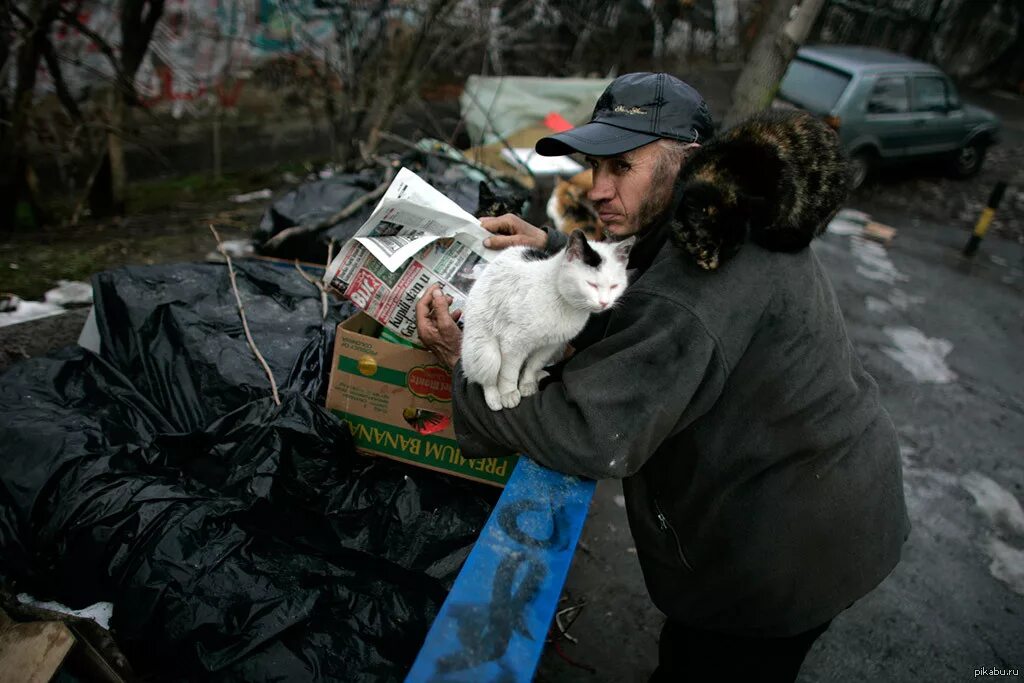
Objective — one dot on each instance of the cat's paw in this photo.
(527, 388)
(493, 398)
(510, 399)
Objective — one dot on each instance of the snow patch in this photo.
(1000, 506)
(876, 305)
(874, 261)
(101, 612)
(1007, 564)
(902, 300)
(28, 310)
(921, 356)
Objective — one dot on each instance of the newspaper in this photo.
(415, 237)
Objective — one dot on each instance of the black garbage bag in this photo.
(311, 203)
(253, 544)
(175, 331)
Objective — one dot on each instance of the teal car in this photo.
(888, 108)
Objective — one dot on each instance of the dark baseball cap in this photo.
(634, 110)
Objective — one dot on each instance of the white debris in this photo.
(921, 356)
(238, 248)
(265, 193)
(101, 612)
(70, 293)
(27, 310)
(620, 500)
(1000, 506)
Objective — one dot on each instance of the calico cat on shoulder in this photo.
(777, 178)
(528, 304)
(569, 209)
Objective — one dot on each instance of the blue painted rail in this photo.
(493, 625)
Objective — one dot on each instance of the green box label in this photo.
(424, 449)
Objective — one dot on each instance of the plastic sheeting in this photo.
(237, 539)
(494, 106)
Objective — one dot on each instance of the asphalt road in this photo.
(942, 337)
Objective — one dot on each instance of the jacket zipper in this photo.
(665, 526)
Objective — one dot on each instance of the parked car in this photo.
(888, 108)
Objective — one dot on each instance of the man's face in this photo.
(631, 189)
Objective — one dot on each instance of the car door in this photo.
(887, 116)
(939, 118)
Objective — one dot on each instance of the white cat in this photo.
(528, 304)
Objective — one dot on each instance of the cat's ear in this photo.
(623, 248)
(577, 245)
(484, 195)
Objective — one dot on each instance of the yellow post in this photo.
(985, 219)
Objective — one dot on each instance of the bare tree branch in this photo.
(241, 313)
(63, 94)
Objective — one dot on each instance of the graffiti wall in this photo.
(201, 52)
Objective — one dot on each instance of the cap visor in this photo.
(594, 138)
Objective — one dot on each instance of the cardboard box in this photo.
(397, 402)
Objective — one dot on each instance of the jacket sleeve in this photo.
(656, 371)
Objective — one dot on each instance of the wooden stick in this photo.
(241, 313)
(316, 283)
(346, 212)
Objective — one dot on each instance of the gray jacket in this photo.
(762, 477)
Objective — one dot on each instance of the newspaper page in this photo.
(415, 237)
(410, 215)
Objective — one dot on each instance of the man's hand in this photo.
(512, 231)
(436, 326)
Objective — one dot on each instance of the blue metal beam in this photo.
(493, 625)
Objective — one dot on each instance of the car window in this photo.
(813, 86)
(889, 96)
(954, 97)
(929, 93)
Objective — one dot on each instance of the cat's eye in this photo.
(614, 287)
(593, 284)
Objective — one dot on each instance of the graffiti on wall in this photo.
(201, 52)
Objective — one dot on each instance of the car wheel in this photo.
(967, 161)
(859, 168)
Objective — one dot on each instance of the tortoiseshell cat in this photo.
(777, 178)
(498, 201)
(569, 209)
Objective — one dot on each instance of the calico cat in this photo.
(569, 209)
(528, 304)
(777, 178)
(498, 201)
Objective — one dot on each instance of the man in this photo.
(762, 477)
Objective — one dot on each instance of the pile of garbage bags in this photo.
(309, 204)
(238, 539)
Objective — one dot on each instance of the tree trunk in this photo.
(777, 43)
(115, 148)
(13, 163)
